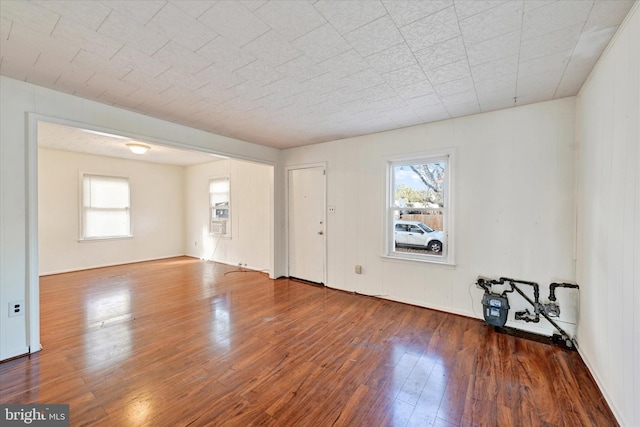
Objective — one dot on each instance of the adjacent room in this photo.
(385, 212)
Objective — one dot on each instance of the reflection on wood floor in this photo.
(179, 342)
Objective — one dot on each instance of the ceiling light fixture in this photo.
(138, 148)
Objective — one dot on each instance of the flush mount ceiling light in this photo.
(138, 148)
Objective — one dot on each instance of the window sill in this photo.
(405, 259)
(102, 239)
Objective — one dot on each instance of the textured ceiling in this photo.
(289, 73)
(67, 138)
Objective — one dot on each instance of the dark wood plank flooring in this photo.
(184, 342)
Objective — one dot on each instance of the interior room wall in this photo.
(514, 207)
(251, 186)
(18, 224)
(608, 269)
(157, 211)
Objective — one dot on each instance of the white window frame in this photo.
(83, 210)
(447, 256)
(226, 221)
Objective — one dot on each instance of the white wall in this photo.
(608, 269)
(251, 214)
(18, 219)
(157, 211)
(514, 209)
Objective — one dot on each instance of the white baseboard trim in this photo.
(71, 270)
(600, 385)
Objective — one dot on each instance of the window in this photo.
(219, 207)
(419, 209)
(105, 207)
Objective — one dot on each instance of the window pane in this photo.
(219, 205)
(105, 192)
(105, 201)
(419, 185)
(418, 210)
(106, 223)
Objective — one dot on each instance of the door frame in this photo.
(324, 213)
(32, 276)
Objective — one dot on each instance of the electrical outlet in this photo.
(332, 209)
(16, 308)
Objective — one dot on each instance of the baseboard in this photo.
(71, 270)
(596, 379)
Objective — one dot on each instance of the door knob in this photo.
(320, 232)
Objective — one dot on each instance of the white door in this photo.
(307, 224)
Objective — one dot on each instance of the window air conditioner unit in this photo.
(218, 228)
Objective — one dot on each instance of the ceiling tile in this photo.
(592, 43)
(362, 80)
(143, 64)
(405, 76)
(535, 4)
(252, 5)
(83, 13)
(286, 87)
(139, 11)
(375, 36)
(30, 15)
(22, 37)
(461, 98)
(498, 86)
(552, 65)
(554, 16)
(405, 12)
(268, 70)
(248, 91)
(220, 77)
(446, 73)
(181, 79)
(344, 64)
(272, 49)
(322, 43)
(259, 72)
(465, 109)
(454, 87)
(346, 16)
(181, 57)
(193, 8)
(376, 93)
(492, 103)
(466, 8)
(302, 68)
(607, 14)
(495, 48)
(181, 27)
(413, 90)
(233, 21)
(123, 29)
(291, 19)
(442, 53)
(69, 34)
(92, 61)
(433, 29)
(581, 65)
(503, 19)
(5, 28)
(493, 69)
(562, 40)
(225, 54)
(393, 58)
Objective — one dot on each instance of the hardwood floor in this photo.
(185, 342)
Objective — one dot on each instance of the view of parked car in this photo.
(417, 235)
